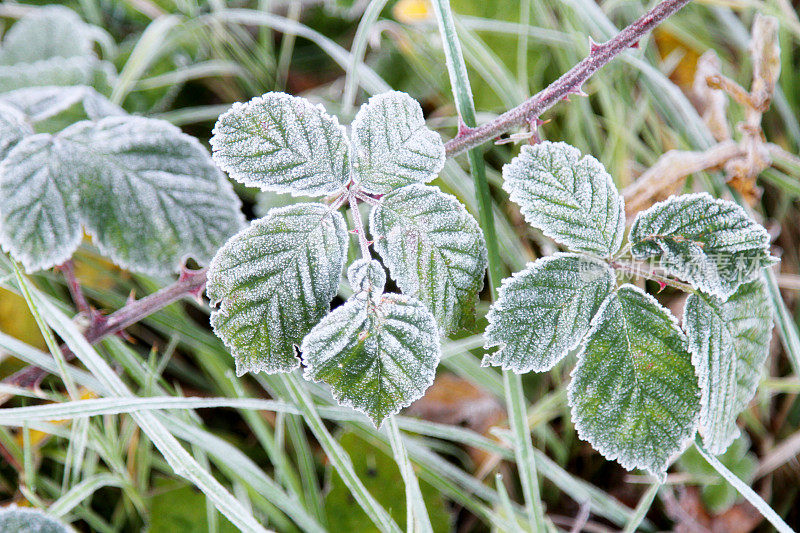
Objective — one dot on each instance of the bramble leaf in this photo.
(710, 243)
(634, 393)
(274, 281)
(434, 249)
(13, 128)
(544, 311)
(366, 275)
(392, 146)
(729, 342)
(147, 193)
(57, 71)
(377, 354)
(45, 33)
(571, 200)
(283, 143)
(28, 520)
(42, 103)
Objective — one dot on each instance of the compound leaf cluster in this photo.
(642, 386)
(274, 281)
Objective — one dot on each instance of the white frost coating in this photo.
(392, 146)
(60, 71)
(366, 275)
(13, 128)
(710, 243)
(434, 249)
(634, 392)
(148, 194)
(40, 222)
(41, 103)
(53, 31)
(729, 343)
(283, 143)
(544, 311)
(571, 200)
(15, 519)
(274, 281)
(377, 357)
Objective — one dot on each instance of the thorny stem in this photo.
(75, 291)
(636, 269)
(569, 83)
(359, 227)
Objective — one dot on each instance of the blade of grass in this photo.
(416, 514)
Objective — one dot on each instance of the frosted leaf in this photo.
(274, 281)
(377, 356)
(15, 519)
(544, 311)
(434, 250)
(571, 200)
(710, 243)
(60, 71)
(729, 343)
(42, 103)
(366, 275)
(148, 194)
(13, 127)
(634, 392)
(283, 143)
(392, 146)
(53, 31)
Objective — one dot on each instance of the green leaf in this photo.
(366, 275)
(45, 33)
(434, 249)
(571, 200)
(283, 143)
(392, 145)
(634, 392)
(274, 281)
(729, 342)
(380, 475)
(13, 128)
(60, 71)
(718, 495)
(544, 311)
(148, 194)
(710, 243)
(43, 103)
(26, 520)
(377, 354)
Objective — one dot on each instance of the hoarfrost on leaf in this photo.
(15, 519)
(42, 103)
(392, 146)
(378, 356)
(148, 194)
(634, 393)
(367, 276)
(544, 311)
(283, 143)
(274, 281)
(572, 200)
(45, 33)
(729, 342)
(58, 71)
(710, 243)
(434, 249)
(13, 128)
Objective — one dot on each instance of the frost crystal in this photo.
(571, 200)
(710, 243)
(28, 520)
(377, 357)
(42, 103)
(634, 393)
(147, 193)
(283, 143)
(274, 281)
(729, 343)
(366, 275)
(13, 128)
(544, 311)
(434, 250)
(392, 146)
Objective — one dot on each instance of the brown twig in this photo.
(74, 286)
(569, 83)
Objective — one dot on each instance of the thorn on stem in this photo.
(635, 45)
(594, 47)
(661, 285)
